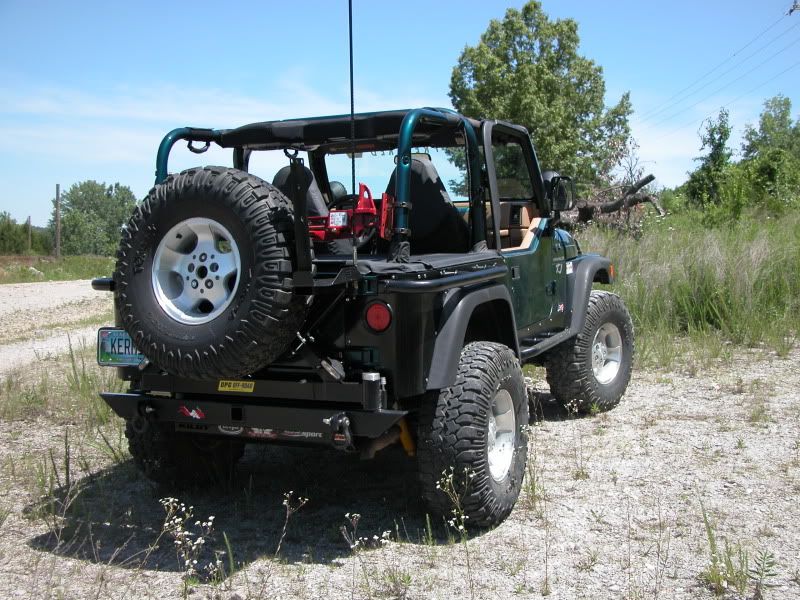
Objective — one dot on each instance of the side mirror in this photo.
(562, 193)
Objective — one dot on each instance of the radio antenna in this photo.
(352, 105)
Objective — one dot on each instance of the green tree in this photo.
(705, 183)
(13, 238)
(526, 69)
(775, 130)
(92, 214)
(772, 154)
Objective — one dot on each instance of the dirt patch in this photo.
(611, 507)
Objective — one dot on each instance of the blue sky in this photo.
(89, 88)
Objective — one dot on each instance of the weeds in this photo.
(761, 572)
(759, 412)
(396, 582)
(55, 494)
(429, 542)
(743, 288)
(190, 540)
(728, 568)
(455, 492)
(588, 562)
(663, 539)
(65, 390)
(291, 506)
(580, 458)
(356, 544)
(533, 485)
(546, 590)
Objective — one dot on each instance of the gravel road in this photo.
(39, 319)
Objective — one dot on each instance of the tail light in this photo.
(378, 316)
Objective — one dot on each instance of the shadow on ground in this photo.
(115, 517)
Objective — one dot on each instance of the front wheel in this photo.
(476, 431)
(591, 371)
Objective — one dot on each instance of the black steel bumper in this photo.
(331, 425)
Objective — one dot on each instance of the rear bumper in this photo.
(278, 423)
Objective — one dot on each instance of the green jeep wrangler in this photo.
(293, 312)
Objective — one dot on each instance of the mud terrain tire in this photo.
(168, 457)
(254, 315)
(579, 371)
(455, 434)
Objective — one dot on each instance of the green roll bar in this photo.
(193, 134)
(443, 116)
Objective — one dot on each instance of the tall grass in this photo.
(20, 269)
(737, 285)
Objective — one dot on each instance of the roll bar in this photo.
(444, 116)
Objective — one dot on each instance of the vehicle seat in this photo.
(435, 223)
(316, 202)
(515, 222)
(316, 206)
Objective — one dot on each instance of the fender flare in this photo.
(457, 310)
(587, 268)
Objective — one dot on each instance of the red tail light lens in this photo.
(378, 316)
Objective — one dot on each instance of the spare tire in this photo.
(204, 274)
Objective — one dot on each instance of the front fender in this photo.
(587, 268)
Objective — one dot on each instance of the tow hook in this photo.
(341, 436)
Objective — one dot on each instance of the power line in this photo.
(704, 75)
(725, 86)
(751, 90)
(721, 75)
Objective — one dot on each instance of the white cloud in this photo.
(113, 134)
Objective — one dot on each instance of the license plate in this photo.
(115, 349)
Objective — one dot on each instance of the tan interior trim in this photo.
(530, 234)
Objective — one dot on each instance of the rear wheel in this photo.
(476, 430)
(591, 371)
(169, 457)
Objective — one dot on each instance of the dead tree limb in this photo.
(588, 210)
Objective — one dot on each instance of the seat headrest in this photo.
(430, 200)
(316, 201)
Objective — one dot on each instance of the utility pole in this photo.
(29, 234)
(795, 7)
(58, 220)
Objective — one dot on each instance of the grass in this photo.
(19, 269)
(64, 390)
(729, 567)
(707, 290)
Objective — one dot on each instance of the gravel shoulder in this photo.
(39, 319)
(611, 506)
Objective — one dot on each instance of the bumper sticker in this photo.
(230, 385)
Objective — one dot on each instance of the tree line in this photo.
(92, 215)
